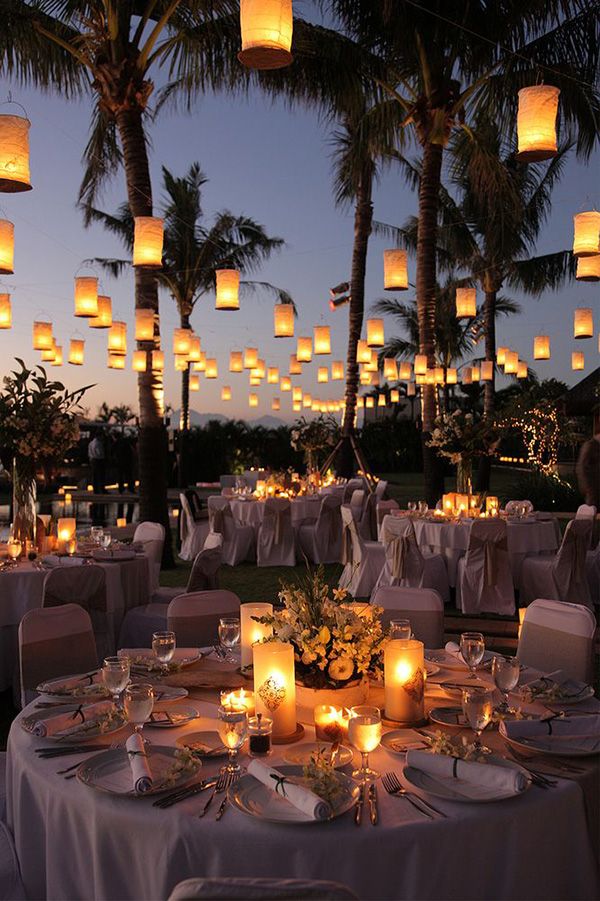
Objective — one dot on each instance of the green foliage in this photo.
(545, 492)
(392, 445)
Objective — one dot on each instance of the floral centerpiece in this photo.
(313, 438)
(38, 425)
(460, 437)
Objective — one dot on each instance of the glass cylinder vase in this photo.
(24, 505)
(464, 476)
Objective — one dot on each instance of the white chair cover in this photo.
(2, 785)
(321, 541)
(11, 886)
(195, 617)
(54, 641)
(484, 580)
(592, 573)
(191, 532)
(384, 508)
(237, 540)
(422, 606)
(367, 525)
(152, 536)
(587, 511)
(86, 586)
(275, 545)
(405, 564)
(513, 507)
(236, 888)
(357, 502)
(363, 560)
(562, 577)
(380, 489)
(351, 486)
(558, 636)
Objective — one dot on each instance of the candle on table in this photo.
(404, 680)
(121, 522)
(66, 529)
(275, 685)
(251, 631)
(71, 546)
(492, 506)
(13, 549)
(90, 488)
(461, 503)
(448, 503)
(241, 699)
(331, 723)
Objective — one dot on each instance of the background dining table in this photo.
(250, 511)
(76, 842)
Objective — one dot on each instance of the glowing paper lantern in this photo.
(365, 378)
(381, 400)
(296, 394)
(511, 362)
(266, 27)
(144, 325)
(200, 364)
(236, 361)
(225, 392)
(360, 403)
(466, 303)
(577, 360)
(296, 406)
(195, 353)
(304, 350)
(395, 270)
(404, 371)
(14, 154)
(363, 352)
(42, 336)
(420, 364)
(487, 371)
(86, 296)
(194, 383)
(212, 370)
(438, 375)
(306, 400)
(103, 317)
(250, 357)
(148, 241)
(588, 269)
(138, 362)
(272, 375)
(228, 289)
(375, 333)
(181, 341)
(253, 400)
(254, 381)
(430, 377)
(158, 360)
(337, 370)
(276, 404)
(5, 311)
(285, 384)
(501, 356)
(117, 338)
(541, 347)
(76, 352)
(369, 403)
(261, 369)
(586, 237)
(390, 369)
(116, 361)
(58, 356)
(583, 323)
(394, 396)
(323, 374)
(475, 374)
(522, 372)
(295, 365)
(7, 247)
(451, 376)
(322, 339)
(467, 375)
(66, 528)
(180, 362)
(536, 123)
(283, 320)
(49, 354)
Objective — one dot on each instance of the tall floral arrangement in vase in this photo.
(314, 438)
(460, 438)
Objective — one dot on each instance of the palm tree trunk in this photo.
(429, 188)
(184, 416)
(489, 388)
(152, 434)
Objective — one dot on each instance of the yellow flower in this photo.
(341, 669)
(339, 594)
(324, 635)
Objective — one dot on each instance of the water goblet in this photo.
(400, 629)
(138, 704)
(478, 707)
(229, 635)
(505, 671)
(233, 729)
(163, 645)
(411, 506)
(364, 732)
(95, 534)
(115, 675)
(472, 649)
(423, 507)
(105, 540)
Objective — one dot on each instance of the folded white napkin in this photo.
(300, 797)
(81, 681)
(138, 761)
(113, 553)
(68, 723)
(570, 688)
(53, 560)
(473, 780)
(453, 648)
(576, 732)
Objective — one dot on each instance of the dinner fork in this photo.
(233, 779)
(221, 785)
(392, 785)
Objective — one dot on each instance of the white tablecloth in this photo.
(76, 843)
(251, 512)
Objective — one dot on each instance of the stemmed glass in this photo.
(505, 671)
(423, 507)
(411, 506)
(139, 701)
(229, 635)
(233, 729)
(472, 648)
(400, 629)
(96, 533)
(163, 645)
(105, 540)
(115, 675)
(364, 732)
(478, 707)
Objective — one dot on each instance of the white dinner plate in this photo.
(455, 689)
(300, 754)
(451, 661)
(145, 657)
(530, 745)
(452, 717)
(166, 694)
(562, 702)
(447, 788)
(28, 724)
(86, 692)
(206, 744)
(398, 741)
(110, 772)
(172, 717)
(257, 801)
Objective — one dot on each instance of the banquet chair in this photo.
(352, 485)
(363, 560)
(558, 636)
(53, 642)
(381, 489)
(422, 606)
(2, 785)
(151, 535)
(237, 540)
(321, 541)
(587, 511)
(11, 886)
(195, 617)
(384, 508)
(86, 586)
(484, 581)
(561, 577)
(367, 525)
(276, 542)
(405, 564)
(192, 529)
(592, 573)
(227, 481)
(141, 622)
(239, 888)
(357, 502)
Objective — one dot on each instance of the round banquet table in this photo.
(250, 512)
(74, 842)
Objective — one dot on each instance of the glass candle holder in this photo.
(252, 631)
(331, 723)
(404, 681)
(260, 729)
(241, 699)
(13, 549)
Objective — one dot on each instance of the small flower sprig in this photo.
(459, 747)
(186, 762)
(321, 777)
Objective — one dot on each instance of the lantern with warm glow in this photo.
(195, 353)
(266, 27)
(14, 154)
(323, 374)
(253, 400)
(322, 339)
(76, 352)
(511, 362)
(475, 374)
(194, 383)
(295, 365)
(148, 241)
(306, 400)
(260, 370)
(430, 377)
(466, 303)
(411, 389)
(365, 378)
(7, 247)
(116, 361)
(103, 317)
(225, 392)
(404, 680)
(86, 296)
(395, 270)
(588, 268)
(541, 347)
(369, 403)
(492, 505)
(250, 357)
(48, 355)
(297, 406)
(522, 371)
(228, 289)
(375, 333)
(181, 341)
(138, 362)
(451, 376)
(283, 320)
(420, 364)
(381, 401)
(331, 723)
(360, 403)
(404, 371)
(487, 371)
(297, 395)
(275, 685)
(501, 355)
(276, 404)
(583, 323)
(58, 356)
(390, 369)
(337, 370)
(466, 375)
(200, 364)
(304, 350)
(272, 375)
(5, 311)
(42, 336)
(394, 396)
(254, 380)
(212, 370)
(236, 361)
(144, 325)
(65, 529)
(577, 360)
(117, 338)
(448, 503)
(586, 237)
(438, 375)
(286, 383)
(536, 123)
(158, 360)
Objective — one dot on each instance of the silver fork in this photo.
(221, 786)
(223, 807)
(392, 785)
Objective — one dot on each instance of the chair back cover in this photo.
(195, 617)
(558, 636)
(83, 585)
(235, 888)
(186, 520)
(568, 569)
(351, 486)
(424, 608)
(352, 546)
(357, 502)
(403, 559)
(276, 542)
(487, 582)
(220, 517)
(152, 536)
(194, 502)
(328, 527)
(204, 574)
(586, 511)
(384, 508)
(380, 489)
(367, 525)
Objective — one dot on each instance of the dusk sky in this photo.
(266, 162)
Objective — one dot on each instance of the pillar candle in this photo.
(121, 522)
(448, 501)
(404, 680)
(275, 685)
(66, 529)
(491, 505)
(252, 631)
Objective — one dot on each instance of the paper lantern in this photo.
(586, 237)
(390, 369)
(438, 375)
(76, 347)
(66, 528)
(337, 370)
(381, 401)
(466, 303)
(212, 370)
(404, 371)
(541, 347)
(14, 154)
(588, 268)
(285, 384)
(117, 338)
(283, 320)
(394, 396)
(103, 317)
(86, 296)
(522, 370)
(295, 365)
(42, 336)
(261, 369)
(144, 325)
(195, 354)
(536, 123)
(5, 311)
(404, 680)
(501, 356)
(7, 247)
(200, 364)
(375, 333)
(583, 323)
(369, 403)
(254, 381)
(420, 364)
(194, 383)
(58, 356)
(322, 339)
(49, 354)
(116, 361)
(487, 371)
(395, 270)
(253, 400)
(373, 364)
(411, 389)
(158, 360)
(296, 406)
(467, 375)
(421, 379)
(577, 360)
(363, 352)
(304, 350)
(266, 28)
(180, 362)
(138, 362)
(228, 289)
(148, 241)
(475, 373)
(236, 361)
(365, 378)
(451, 376)
(272, 375)
(225, 392)
(323, 374)
(250, 357)
(306, 400)
(360, 403)
(297, 395)
(276, 404)
(430, 377)
(511, 362)
(181, 341)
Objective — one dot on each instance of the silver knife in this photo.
(359, 806)
(373, 804)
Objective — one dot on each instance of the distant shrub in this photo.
(545, 492)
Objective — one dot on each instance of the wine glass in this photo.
(233, 729)
(400, 629)
(105, 540)
(115, 675)
(411, 506)
(505, 671)
(229, 635)
(163, 645)
(96, 533)
(478, 707)
(472, 648)
(423, 507)
(138, 704)
(364, 732)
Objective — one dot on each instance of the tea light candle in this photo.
(251, 631)
(13, 549)
(492, 506)
(404, 680)
(239, 700)
(71, 547)
(461, 504)
(275, 685)
(331, 723)
(121, 522)
(66, 528)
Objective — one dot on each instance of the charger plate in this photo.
(110, 772)
(448, 789)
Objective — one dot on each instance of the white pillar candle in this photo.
(252, 631)
(404, 680)
(66, 528)
(275, 685)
